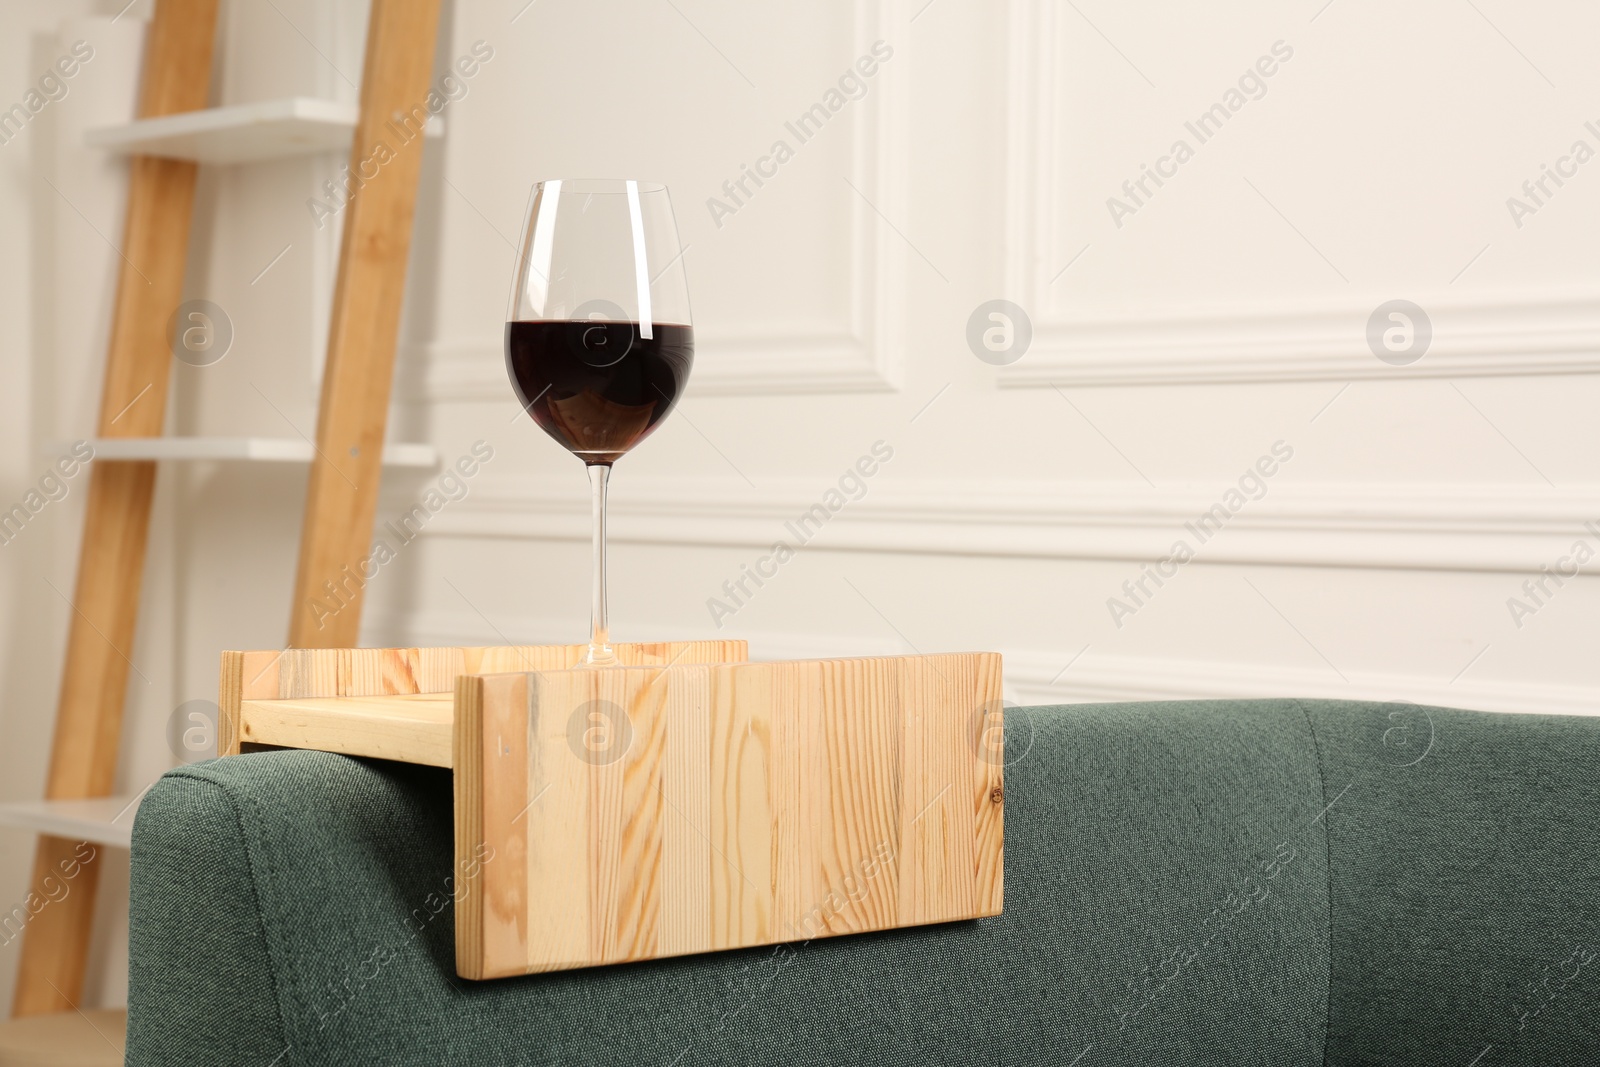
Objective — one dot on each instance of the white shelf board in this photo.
(243, 133)
(99, 820)
(250, 449)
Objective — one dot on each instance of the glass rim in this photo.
(602, 186)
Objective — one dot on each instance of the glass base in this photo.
(600, 655)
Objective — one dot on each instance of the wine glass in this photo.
(599, 340)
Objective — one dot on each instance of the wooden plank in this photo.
(558, 854)
(410, 729)
(988, 797)
(697, 807)
(342, 496)
(505, 823)
(937, 865)
(230, 694)
(799, 813)
(328, 698)
(739, 770)
(469, 759)
(154, 248)
(686, 799)
(862, 705)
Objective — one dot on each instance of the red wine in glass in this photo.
(597, 387)
(599, 339)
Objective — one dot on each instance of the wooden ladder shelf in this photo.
(345, 471)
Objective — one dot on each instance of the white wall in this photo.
(1169, 353)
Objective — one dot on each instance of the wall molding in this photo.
(1504, 528)
(1035, 676)
(863, 354)
(1505, 338)
(1507, 334)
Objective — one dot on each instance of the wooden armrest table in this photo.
(685, 801)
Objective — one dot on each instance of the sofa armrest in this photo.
(200, 979)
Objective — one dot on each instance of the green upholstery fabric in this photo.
(1466, 885)
(1178, 891)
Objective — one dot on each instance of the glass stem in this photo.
(600, 654)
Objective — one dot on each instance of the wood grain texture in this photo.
(627, 813)
(154, 250)
(295, 698)
(342, 495)
(410, 729)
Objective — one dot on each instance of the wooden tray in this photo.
(685, 802)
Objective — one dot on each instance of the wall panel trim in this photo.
(1510, 528)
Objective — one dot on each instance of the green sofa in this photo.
(1274, 883)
